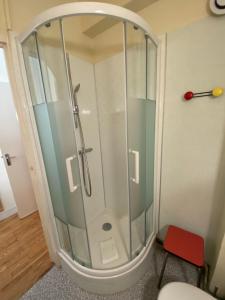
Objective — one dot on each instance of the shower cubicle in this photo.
(91, 70)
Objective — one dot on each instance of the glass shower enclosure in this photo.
(93, 92)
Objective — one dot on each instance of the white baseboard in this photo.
(7, 213)
(27, 214)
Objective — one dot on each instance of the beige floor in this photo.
(23, 255)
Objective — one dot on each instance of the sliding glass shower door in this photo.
(141, 133)
(47, 76)
(114, 110)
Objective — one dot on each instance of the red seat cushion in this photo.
(185, 244)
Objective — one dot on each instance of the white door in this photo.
(12, 151)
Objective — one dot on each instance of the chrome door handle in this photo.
(8, 158)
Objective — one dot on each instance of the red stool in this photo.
(185, 245)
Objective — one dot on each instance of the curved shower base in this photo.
(104, 251)
(109, 281)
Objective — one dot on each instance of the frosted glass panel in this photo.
(62, 127)
(60, 118)
(64, 237)
(141, 128)
(45, 64)
(149, 222)
(50, 160)
(136, 95)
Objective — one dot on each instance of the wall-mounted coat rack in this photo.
(216, 92)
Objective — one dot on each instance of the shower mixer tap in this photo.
(87, 150)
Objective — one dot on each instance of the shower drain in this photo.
(107, 226)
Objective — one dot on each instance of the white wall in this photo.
(83, 73)
(110, 86)
(193, 172)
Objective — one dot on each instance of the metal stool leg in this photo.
(200, 273)
(163, 270)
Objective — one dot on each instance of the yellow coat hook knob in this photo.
(218, 91)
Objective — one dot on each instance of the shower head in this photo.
(76, 89)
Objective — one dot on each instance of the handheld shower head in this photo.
(76, 89)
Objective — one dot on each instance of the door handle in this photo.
(72, 186)
(136, 177)
(8, 158)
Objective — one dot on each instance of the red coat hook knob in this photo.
(188, 96)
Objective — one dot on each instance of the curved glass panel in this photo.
(55, 127)
(141, 120)
(92, 85)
